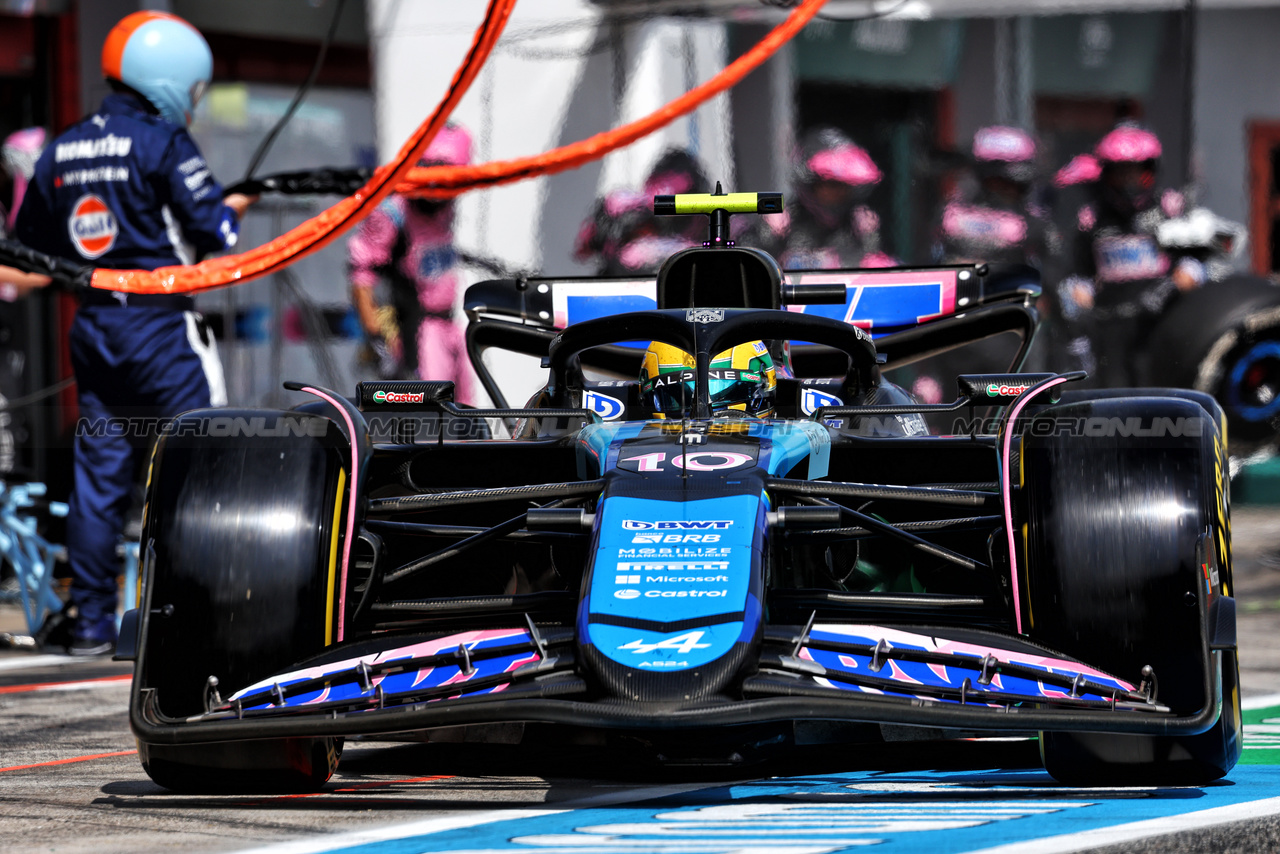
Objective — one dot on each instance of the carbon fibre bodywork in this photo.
(602, 569)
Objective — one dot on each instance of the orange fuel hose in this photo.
(402, 176)
(443, 181)
(329, 224)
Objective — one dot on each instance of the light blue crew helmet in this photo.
(163, 58)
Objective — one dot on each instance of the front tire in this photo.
(246, 531)
(1117, 525)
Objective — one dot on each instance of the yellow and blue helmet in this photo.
(742, 380)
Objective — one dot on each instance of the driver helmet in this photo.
(742, 381)
(1004, 152)
(1129, 156)
(832, 175)
(162, 58)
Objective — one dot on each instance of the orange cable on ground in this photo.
(318, 231)
(444, 181)
(46, 686)
(69, 761)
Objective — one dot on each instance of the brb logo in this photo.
(92, 226)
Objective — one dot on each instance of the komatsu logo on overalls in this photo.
(676, 525)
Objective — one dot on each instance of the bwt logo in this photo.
(678, 525)
(397, 397)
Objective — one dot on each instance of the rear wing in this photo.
(882, 301)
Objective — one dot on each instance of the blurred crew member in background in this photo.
(827, 223)
(1120, 278)
(999, 221)
(18, 155)
(406, 246)
(127, 188)
(1002, 223)
(623, 235)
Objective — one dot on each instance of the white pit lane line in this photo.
(1264, 701)
(1120, 833)
(1069, 842)
(454, 822)
(26, 662)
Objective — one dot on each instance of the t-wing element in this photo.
(717, 206)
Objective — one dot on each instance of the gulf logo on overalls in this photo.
(93, 226)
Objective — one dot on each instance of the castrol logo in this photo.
(1003, 390)
(397, 397)
(92, 226)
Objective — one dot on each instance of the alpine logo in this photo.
(93, 227)
(675, 525)
(608, 408)
(811, 400)
(683, 644)
(398, 397)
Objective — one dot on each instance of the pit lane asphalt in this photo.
(70, 782)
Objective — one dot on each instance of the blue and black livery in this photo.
(695, 580)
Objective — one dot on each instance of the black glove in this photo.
(67, 275)
(342, 182)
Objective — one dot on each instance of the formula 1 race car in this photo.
(759, 544)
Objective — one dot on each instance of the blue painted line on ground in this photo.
(938, 812)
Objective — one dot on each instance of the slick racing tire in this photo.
(1117, 529)
(1224, 339)
(245, 531)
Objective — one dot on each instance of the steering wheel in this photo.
(705, 333)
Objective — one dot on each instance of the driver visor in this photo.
(675, 392)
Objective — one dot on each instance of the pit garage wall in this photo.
(1237, 81)
(558, 75)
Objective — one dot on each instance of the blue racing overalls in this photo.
(125, 189)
